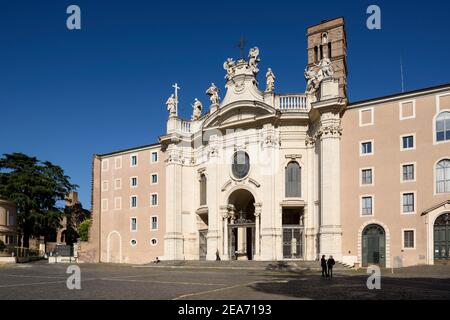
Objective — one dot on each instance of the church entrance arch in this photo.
(242, 225)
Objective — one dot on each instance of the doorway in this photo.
(241, 229)
(442, 238)
(374, 246)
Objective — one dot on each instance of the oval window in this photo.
(241, 165)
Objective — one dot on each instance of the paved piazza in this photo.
(218, 281)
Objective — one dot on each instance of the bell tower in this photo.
(328, 40)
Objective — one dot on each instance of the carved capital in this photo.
(332, 130)
(227, 211)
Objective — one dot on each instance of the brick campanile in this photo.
(328, 39)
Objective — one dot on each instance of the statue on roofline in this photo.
(213, 93)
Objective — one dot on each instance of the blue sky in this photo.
(65, 95)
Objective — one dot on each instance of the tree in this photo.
(83, 230)
(35, 187)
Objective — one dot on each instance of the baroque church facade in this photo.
(259, 175)
(257, 158)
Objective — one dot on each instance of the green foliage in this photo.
(2, 246)
(35, 187)
(83, 230)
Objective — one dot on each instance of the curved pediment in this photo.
(238, 113)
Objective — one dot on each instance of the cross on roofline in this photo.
(241, 45)
(176, 87)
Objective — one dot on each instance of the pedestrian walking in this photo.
(330, 265)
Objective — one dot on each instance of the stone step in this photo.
(264, 265)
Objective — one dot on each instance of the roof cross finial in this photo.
(241, 45)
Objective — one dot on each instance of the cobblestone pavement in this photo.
(257, 281)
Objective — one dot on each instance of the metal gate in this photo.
(203, 244)
(292, 243)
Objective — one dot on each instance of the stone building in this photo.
(261, 175)
(128, 196)
(8, 223)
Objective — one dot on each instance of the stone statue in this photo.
(197, 110)
(253, 59)
(325, 69)
(312, 81)
(213, 93)
(270, 80)
(171, 105)
(229, 67)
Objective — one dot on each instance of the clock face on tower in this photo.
(241, 165)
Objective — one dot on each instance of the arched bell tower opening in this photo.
(241, 225)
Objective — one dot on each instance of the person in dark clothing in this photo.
(330, 264)
(323, 264)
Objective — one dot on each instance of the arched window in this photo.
(293, 180)
(329, 51)
(316, 54)
(321, 52)
(202, 190)
(443, 127)
(443, 176)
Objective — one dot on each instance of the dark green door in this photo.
(442, 238)
(373, 246)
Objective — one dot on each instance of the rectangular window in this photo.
(366, 206)
(104, 205)
(105, 185)
(118, 162)
(118, 184)
(105, 165)
(133, 202)
(407, 110)
(133, 224)
(366, 117)
(408, 202)
(408, 239)
(10, 216)
(134, 160)
(366, 148)
(154, 178)
(408, 142)
(155, 156)
(154, 223)
(133, 182)
(154, 199)
(408, 172)
(366, 176)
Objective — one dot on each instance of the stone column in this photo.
(329, 135)
(225, 216)
(213, 195)
(173, 238)
(258, 210)
(311, 219)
